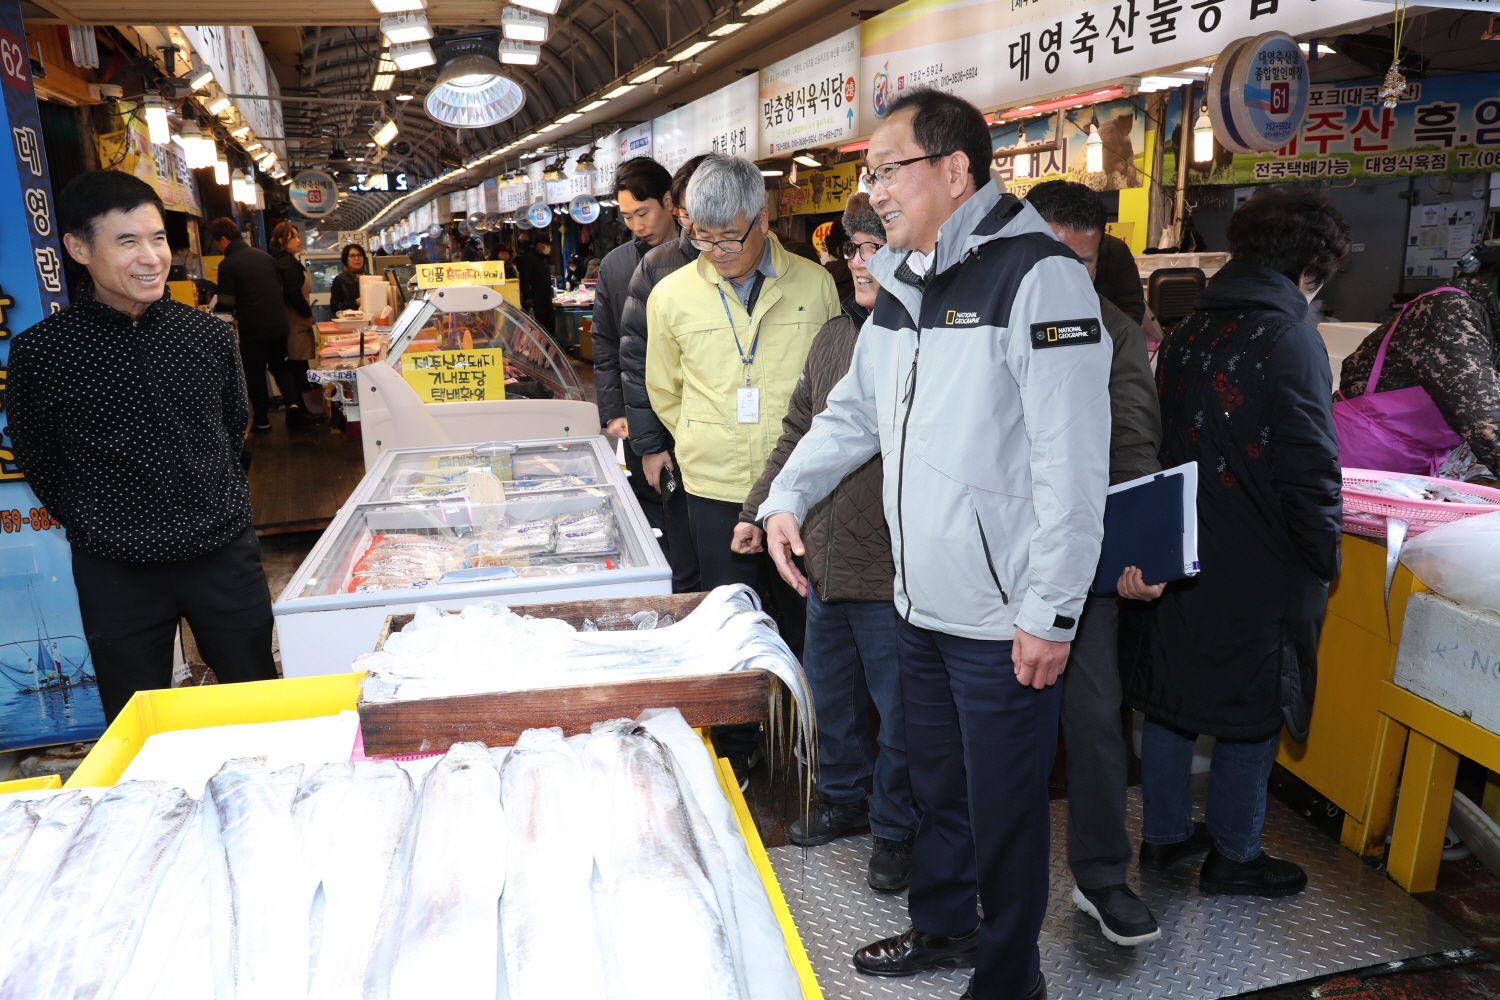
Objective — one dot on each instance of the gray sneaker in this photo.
(1122, 916)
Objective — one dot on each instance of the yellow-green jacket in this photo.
(693, 369)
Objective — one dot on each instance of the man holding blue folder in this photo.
(982, 377)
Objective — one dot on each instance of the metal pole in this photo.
(1184, 153)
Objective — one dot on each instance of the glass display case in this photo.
(514, 522)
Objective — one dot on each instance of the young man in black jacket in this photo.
(250, 286)
(128, 413)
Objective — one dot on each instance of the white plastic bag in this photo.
(1460, 560)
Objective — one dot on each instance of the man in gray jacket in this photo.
(1093, 734)
(982, 379)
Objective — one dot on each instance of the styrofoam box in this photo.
(1450, 655)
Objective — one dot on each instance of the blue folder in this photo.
(1152, 523)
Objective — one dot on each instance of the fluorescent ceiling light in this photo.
(570, 117)
(398, 6)
(412, 55)
(199, 76)
(241, 132)
(156, 120)
(541, 6)
(1323, 50)
(253, 147)
(385, 72)
(807, 161)
(726, 29)
(519, 53)
(221, 171)
(594, 106)
(691, 51)
(383, 82)
(770, 173)
(1204, 70)
(402, 28)
(404, 97)
(650, 74)
(763, 6)
(618, 91)
(218, 105)
(521, 25)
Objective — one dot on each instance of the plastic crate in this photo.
(1365, 513)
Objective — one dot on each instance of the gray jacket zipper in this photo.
(911, 395)
(990, 563)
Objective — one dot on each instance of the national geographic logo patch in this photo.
(1065, 333)
(956, 318)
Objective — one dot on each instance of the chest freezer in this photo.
(511, 522)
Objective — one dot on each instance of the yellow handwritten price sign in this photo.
(473, 272)
(455, 376)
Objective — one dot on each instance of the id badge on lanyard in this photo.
(748, 409)
(747, 396)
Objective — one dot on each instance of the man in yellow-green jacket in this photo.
(728, 335)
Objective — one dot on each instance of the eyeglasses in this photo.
(724, 246)
(885, 174)
(865, 250)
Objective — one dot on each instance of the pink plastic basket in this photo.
(1365, 513)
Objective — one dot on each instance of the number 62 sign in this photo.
(314, 194)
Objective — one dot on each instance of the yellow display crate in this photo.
(162, 711)
(37, 784)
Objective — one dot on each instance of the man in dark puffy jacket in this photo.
(849, 650)
(250, 287)
(643, 189)
(648, 438)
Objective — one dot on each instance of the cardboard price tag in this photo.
(455, 376)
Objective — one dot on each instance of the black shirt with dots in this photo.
(129, 430)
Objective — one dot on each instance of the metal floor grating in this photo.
(1351, 917)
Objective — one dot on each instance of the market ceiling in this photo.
(594, 46)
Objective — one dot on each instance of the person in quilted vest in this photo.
(850, 647)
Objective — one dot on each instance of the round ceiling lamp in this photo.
(472, 90)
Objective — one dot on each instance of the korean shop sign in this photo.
(726, 121)
(997, 53)
(808, 99)
(1441, 125)
(820, 190)
(455, 376)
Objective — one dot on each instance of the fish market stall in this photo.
(239, 841)
(454, 526)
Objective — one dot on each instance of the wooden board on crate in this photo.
(431, 725)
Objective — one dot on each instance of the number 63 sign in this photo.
(314, 194)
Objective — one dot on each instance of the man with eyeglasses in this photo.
(728, 336)
(982, 378)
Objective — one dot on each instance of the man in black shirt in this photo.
(250, 287)
(128, 413)
(535, 268)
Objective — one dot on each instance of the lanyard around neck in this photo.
(746, 360)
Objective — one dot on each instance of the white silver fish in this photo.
(350, 818)
(547, 911)
(101, 888)
(668, 934)
(259, 880)
(57, 818)
(443, 937)
(172, 956)
(17, 820)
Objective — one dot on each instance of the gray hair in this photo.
(859, 217)
(724, 188)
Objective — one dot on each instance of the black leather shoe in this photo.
(1264, 876)
(890, 864)
(1122, 916)
(828, 821)
(915, 952)
(1165, 855)
(1037, 992)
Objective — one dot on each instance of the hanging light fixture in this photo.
(554, 171)
(519, 53)
(1203, 137)
(408, 27)
(398, 6)
(243, 188)
(156, 119)
(199, 76)
(412, 55)
(385, 133)
(219, 105)
(1093, 149)
(1021, 163)
(585, 164)
(221, 171)
(522, 25)
(471, 89)
(548, 7)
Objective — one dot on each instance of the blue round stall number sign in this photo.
(584, 209)
(314, 194)
(539, 214)
(1258, 93)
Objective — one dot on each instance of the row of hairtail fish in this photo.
(605, 865)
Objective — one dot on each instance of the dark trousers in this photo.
(1098, 846)
(649, 498)
(850, 658)
(712, 524)
(131, 611)
(681, 552)
(979, 746)
(291, 376)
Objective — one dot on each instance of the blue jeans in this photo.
(1236, 791)
(849, 654)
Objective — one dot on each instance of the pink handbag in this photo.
(1400, 431)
